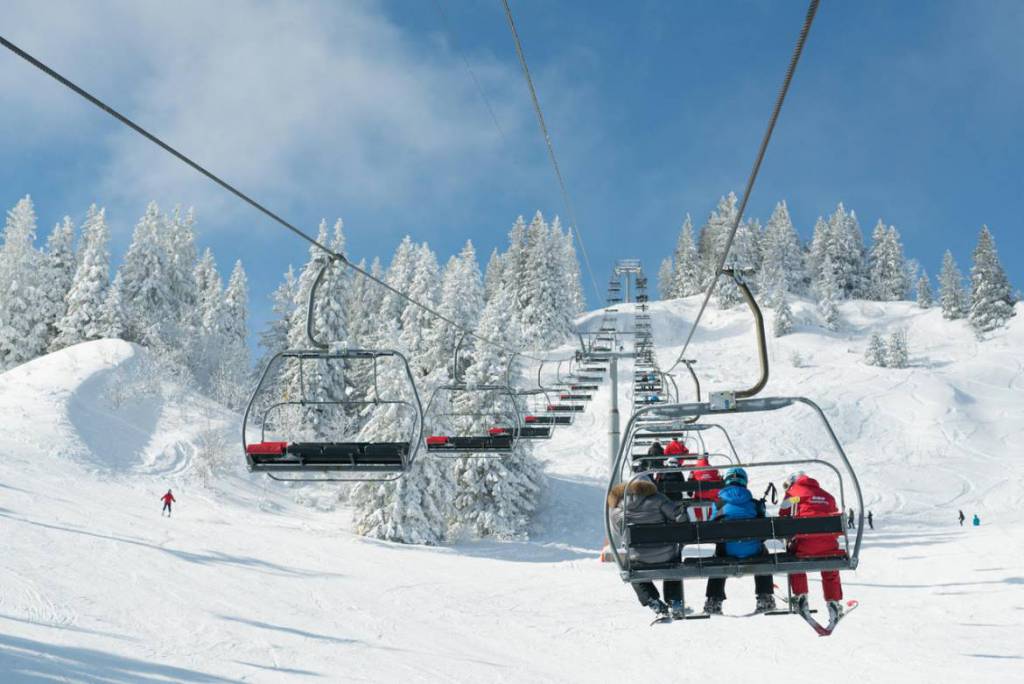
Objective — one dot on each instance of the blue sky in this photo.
(911, 112)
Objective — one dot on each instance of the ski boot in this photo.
(713, 606)
(835, 613)
(765, 603)
(659, 607)
(677, 611)
(798, 603)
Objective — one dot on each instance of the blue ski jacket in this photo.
(737, 503)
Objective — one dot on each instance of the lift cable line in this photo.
(331, 254)
(472, 74)
(797, 51)
(551, 148)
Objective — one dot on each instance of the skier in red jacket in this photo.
(709, 476)
(676, 448)
(168, 499)
(804, 498)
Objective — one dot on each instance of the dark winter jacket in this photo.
(655, 450)
(737, 503)
(644, 504)
(806, 499)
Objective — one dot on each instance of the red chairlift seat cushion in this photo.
(437, 440)
(497, 431)
(267, 448)
(530, 419)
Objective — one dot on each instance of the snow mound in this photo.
(99, 404)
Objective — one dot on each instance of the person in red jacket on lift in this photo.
(676, 448)
(710, 476)
(168, 499)
(804, 498)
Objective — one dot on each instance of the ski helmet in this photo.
(736, 476)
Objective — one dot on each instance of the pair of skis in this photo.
(807, 614)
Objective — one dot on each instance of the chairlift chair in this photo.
(339, 459)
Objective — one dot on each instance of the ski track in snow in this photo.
(242, 584)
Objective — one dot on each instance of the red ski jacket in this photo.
(806, 499)
(710, 475)
(676, 448)
(167, 498)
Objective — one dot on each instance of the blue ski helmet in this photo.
(736, 476)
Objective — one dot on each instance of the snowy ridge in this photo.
(243, 585)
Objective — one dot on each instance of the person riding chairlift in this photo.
(804, 498)
(709, 476)
(676, 448)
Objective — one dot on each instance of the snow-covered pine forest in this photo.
(168, 297)
(835, 265)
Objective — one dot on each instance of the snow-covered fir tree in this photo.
(112, 321)
(493, 277)
(828, 296)
(416, 508)
(783, 322)
(924, 291)
(544, 312)
(991, 296)
(896, 352)
(23, 325)
(205, 330)
(887, 267)
(875, 354)
(83, 316)
(952, 296)
(782, 258)
(274, 336)
(58, 272)
(462, 300)
(231, 377)
(573, 280)
(416, 322)
(495, 497)
(666, 286)
(148, 304)
(686, 276)
(399, 275)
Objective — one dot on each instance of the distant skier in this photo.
(871, 521)
(849, 520)
(168, 499)
(962, 518)
(976, 521)
(804, 498)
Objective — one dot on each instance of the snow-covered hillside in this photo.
(243, 584)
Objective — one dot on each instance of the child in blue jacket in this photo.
(735, 502)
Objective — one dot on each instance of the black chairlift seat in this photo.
(525, 431)
(718, 531)
(548, 420)
(473, 444)
(587, 378)
(595, 369)
(575, 397)
(327, 456)
(566, 408)
(583, 388)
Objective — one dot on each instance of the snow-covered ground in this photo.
(243, 584)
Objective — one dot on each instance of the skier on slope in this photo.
(804, 498)
(168, 499)
(962, 518)
(849, 520)
(735, 502)
(871, 520)
(976, 521)
(640, 502)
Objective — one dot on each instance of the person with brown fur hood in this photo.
(641, 502)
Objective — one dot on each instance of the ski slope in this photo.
(245, 584)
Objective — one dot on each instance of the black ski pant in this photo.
(647, 592)
(763, 584)
(167, 507)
